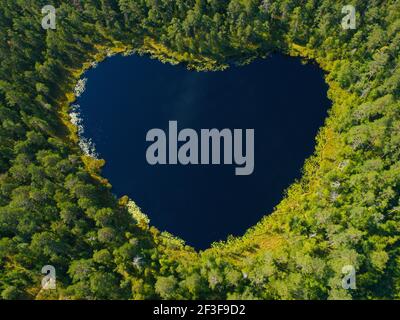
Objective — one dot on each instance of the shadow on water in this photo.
(284, 101)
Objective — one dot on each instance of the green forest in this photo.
(56, 208)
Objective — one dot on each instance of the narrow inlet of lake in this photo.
(284, 101)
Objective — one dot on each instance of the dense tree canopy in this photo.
(56, 209)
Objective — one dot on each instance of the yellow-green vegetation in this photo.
(55, 208)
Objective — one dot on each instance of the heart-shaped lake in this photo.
(282, 100)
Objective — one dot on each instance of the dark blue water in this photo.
(283, 100)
